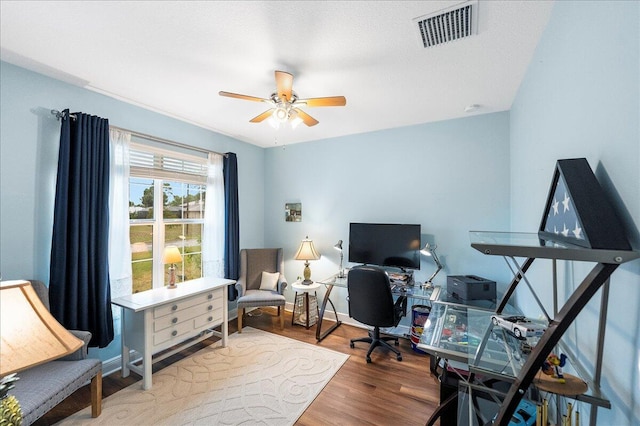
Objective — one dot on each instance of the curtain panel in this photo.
(213, 236)
(79, 272)
(232, 222)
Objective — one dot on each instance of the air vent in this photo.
(447, 25)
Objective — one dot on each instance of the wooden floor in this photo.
(384, 392)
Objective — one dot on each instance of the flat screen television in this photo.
(385, 244)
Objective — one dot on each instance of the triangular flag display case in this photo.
(579, 224)
(579, 212)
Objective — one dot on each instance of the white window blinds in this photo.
(154, 162)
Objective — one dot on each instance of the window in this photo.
(167, 193)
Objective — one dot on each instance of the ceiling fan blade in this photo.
(284, 85)
(262, 117)
(326, 101)
(245, 97)
(306, 118)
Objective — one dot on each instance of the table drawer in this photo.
(172, 333)
(179, 305)
(186, 314)
(210, 319)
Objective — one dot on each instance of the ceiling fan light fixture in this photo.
(295, 120)
(281, 114)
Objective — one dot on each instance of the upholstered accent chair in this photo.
(261, 281)
(42, 387)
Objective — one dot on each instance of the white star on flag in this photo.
(565, 202)
(555, 205)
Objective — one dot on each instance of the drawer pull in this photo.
(174, 307)
(209, 307)
(174, 333)
(210, 296)
(210, 319)
(175, 320)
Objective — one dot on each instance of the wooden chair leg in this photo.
(281, 315)
(96, 395)
(240, 314)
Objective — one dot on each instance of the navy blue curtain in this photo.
(232, 222)
(79, 276)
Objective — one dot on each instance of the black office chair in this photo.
(371, 303)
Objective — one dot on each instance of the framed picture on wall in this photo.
(293, 212)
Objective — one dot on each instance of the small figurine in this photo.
(553, 366)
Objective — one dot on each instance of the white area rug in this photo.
(260, 378)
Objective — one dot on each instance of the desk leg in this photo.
(225, 316)
(147, 360)
(319, 334)
(123, 340)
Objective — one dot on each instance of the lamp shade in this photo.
(30, 335)
(307, 251)
(338, 245)
(171, 255)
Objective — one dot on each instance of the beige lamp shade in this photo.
(30, 335)
(171, 255)
(307, 251)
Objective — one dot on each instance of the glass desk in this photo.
(455, 328)
(416, 292)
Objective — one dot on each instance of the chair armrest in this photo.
(81, 353)
(281, 286)
(240, 287)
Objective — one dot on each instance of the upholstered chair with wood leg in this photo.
(44, 386)
(261, 281)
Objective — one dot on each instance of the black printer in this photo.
(471, 287)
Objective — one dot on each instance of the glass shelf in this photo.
(521, 244)
(454, 330)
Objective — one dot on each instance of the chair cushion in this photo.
(269, 280)
(254, 298)
(43, 387)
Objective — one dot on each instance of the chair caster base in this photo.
(368, 360)
(399, 358)
(352, 345)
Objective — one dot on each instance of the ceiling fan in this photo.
(284, 103)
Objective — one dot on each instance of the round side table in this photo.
(305, 316)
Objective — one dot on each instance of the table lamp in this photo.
(338, 247)
(172, 256)
(29, 335)
(428, 250)
(307, 252)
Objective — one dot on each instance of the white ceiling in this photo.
(174, 57)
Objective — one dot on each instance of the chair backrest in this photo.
(42, 291)
(370, 299)
(254, 261)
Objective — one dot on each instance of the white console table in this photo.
(162, 318)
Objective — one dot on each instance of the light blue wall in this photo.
(450, 177)
(29, 139)
(580, 98)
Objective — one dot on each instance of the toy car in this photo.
(520, 326)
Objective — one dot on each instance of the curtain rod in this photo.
(166, 141)
(62, 115)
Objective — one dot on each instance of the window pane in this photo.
(140, 198)
(183, 200)
(188, 238)
(141, 256)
